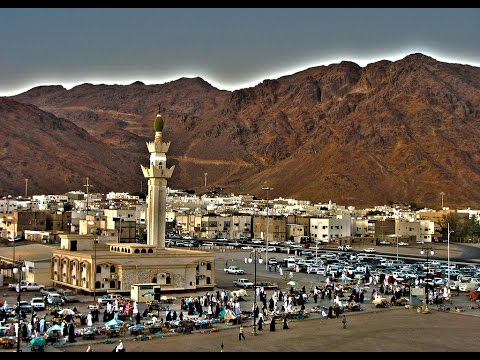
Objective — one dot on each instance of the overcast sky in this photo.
(230, 48)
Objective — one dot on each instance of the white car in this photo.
(109, 298)
(370, 250)
(469, 286)
(247, 247)
(37, 303)
(245, 283)
(234, 270)
(257, 241)
(402, 243)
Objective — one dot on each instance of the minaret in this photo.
(157, 175)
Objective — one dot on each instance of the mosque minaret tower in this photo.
(157, 174)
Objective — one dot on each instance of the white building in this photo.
(328, 229)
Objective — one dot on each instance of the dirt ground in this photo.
(386, 330)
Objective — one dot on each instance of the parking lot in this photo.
(375, 325)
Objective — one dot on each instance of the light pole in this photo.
(397, 247)
(266, 228)
(396, 236)
(94, 276)
(249, 260)
(205, 174)
(448, 252)
(120, 219)
(20, 269)
(427, 249)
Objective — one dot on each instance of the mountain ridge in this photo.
(399, 131)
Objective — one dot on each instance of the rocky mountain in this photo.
(400, 131)
(56, 155)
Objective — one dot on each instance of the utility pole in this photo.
(26, 187)
(87, 186)
(205, 174)
(442, 194)
(266, 229)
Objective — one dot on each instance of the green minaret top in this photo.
(158, 123)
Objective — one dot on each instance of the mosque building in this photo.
(94, 262)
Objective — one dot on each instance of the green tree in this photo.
(374, 212)
(67, 207)
(461, 227)
(140, 195)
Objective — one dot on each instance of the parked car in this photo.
(55, 299)
(245, 283)
(68, 295)
(473, 284)
(46, 290)
(247, 247)
(267, 285)
(15, 239)
(272, 261)
(401, 243)
(109, 298)
(370, 250)
(37, 303)
(24, 305)
(384, 242)
(26, 285)
(234, 270)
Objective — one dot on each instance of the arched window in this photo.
(144, 251)
(97, 285)
(112, 284)
(209, 266)
(208, 280)
(98, 270)
(150, 251)
(112, 268)
(154, 280)
(137, 251)
(168, 280)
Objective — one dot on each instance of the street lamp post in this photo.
(249, 260)
(397, 247)
(426, 250)
(20, 269)
(94, 276)
(120, 219)
(266, 228)
(448, 251)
